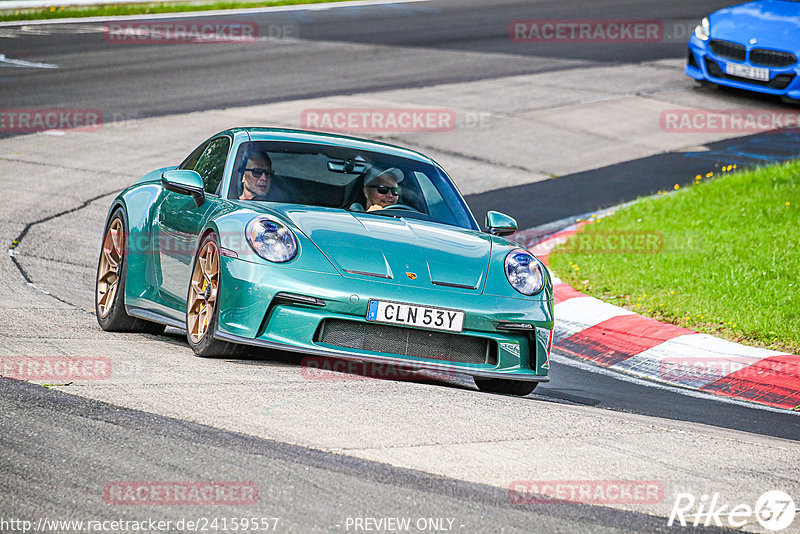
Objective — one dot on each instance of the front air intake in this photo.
(407, 342)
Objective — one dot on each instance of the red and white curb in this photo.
(620, 339)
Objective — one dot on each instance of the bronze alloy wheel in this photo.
(203, 291)
(110, 267)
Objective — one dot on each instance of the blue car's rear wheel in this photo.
(202, 307)
(505, 387)
(109, 302)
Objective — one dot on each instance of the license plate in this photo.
(743, 71)
(384, 311)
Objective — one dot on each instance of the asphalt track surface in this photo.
(74, 440)
(401, 45)
(310, 491)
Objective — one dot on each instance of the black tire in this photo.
(502, 386)
(112, 316)
(207, 346)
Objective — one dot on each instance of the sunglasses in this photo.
(258, 172)
(385, 189)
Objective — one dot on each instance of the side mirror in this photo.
(185, 182)
(499, 223)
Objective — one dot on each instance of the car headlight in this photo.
(524, 272)
(703, 30)
(270, 239)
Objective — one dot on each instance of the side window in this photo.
(211, 163)
(191, 161)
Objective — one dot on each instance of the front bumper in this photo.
(703, 64)
(250, 314)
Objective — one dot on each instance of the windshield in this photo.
(346, 178)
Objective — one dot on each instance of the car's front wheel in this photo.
(202, 304)
(109, 302)
(502, 386)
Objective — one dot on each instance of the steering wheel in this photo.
(400, 207)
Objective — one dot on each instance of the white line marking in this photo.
(592, 368)
(23, 63)
(217, 12)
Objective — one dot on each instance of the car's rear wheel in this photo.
(109, 302)
(505, 387)
(202, 308)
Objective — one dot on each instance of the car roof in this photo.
(305, 136)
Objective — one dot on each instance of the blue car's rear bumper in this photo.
(703, 64)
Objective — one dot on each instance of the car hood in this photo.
(773, 23)
(401, 251)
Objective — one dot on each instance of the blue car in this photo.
(753, 46)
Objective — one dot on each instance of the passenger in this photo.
(381, 189)
(256, 176)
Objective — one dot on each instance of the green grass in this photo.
(58, 12)
(730, 262)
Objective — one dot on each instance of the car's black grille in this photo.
(781, 81)
(771, 58)
(407, 341)
(728, 50)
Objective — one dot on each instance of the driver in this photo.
(380, 188)
(257, 176)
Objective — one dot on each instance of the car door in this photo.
(180, 222)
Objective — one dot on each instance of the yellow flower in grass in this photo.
(709, 175)
(677, 186)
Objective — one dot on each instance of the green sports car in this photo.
(330, 246)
